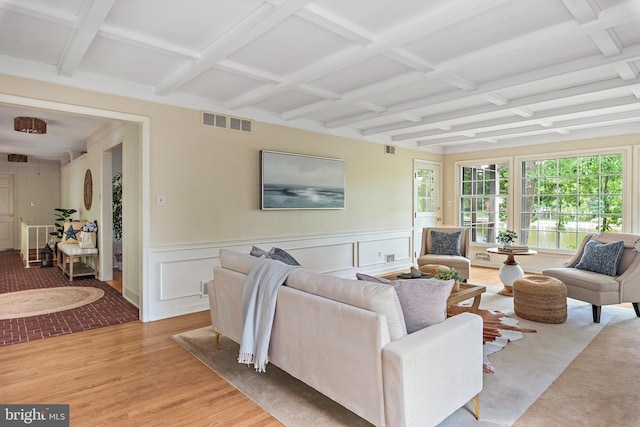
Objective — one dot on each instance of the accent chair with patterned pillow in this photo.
(604, 270)
(449, 246)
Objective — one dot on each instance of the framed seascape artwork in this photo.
(295, 181)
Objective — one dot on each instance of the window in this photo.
(483, 201)
(565, 198)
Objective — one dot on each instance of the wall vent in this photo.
(482, 257)
(389, 149)
(226, 122)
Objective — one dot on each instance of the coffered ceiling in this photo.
(438, 75)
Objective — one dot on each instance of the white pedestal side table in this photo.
(510, 270)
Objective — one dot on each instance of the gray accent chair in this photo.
(461, 263)
(600, 289)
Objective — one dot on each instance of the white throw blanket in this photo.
(258, 310)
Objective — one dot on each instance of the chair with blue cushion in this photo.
(446, 246)
(603, 271)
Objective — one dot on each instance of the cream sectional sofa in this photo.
(348, 340)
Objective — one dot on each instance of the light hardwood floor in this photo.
(134, 375)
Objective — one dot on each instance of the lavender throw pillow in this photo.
(423, 301)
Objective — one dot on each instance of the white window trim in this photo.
(510, 198)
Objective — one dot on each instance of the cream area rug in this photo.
(34, 302)
(524, 370)
(287, 399)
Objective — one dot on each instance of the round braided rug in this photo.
(34, 302)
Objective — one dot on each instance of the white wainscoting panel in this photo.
(176, 273)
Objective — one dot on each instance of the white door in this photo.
(7, 217)
(426, 199)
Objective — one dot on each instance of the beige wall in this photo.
(211, 181)
(37, 193)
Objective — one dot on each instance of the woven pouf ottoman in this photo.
(540, 298)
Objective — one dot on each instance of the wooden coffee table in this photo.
(467, 291)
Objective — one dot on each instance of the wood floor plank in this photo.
(126, 375)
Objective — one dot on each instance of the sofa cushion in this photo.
(236, 261)
(443, 243)
(423, 301)
(603, 258)
(377, 297)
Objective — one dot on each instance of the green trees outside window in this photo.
(565, 198)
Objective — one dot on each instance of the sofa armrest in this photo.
(431, 373)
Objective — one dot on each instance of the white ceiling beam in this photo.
(583, 65)
(41, 11)
(607, 89)
(319, 92)
(588, 123)
(626, 70)
(136, 39)
(453, 12)
(409, 59)
(257, 23)
(370, 106)
(636, 91)
(92, 17)
(336, 24)
(607, 41)
(582, 10)
(495, 99)
(410, 117)
(247, 71)
(523, 112)
(546, 119)
(459, 82)
(358, 94)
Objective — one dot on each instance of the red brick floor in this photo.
(111, 309)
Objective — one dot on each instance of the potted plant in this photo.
(448, 274)
(117, 206)
(507, 237)
(62, 216)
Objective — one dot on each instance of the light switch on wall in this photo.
(161, 200)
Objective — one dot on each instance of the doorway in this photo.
(137, 218)
(7, 212)
(427, 194)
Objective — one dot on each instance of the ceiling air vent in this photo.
(226, 122)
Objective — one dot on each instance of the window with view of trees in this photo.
(565, 198)
(483, 201)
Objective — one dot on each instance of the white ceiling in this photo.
(438, 75)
